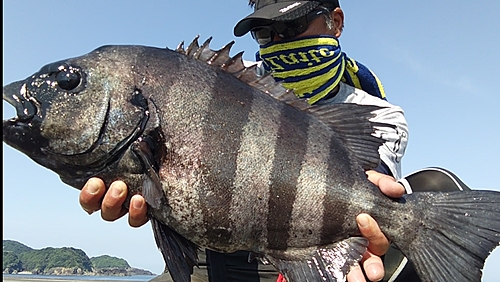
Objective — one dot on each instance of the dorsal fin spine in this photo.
(194, 45)
(235, 66)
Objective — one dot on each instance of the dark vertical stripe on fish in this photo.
(222, 134)
(289, 155)
(307, 216)
(336, 202)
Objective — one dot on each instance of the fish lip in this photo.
(26, 108)
(22, 132)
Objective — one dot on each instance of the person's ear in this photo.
(338, 21)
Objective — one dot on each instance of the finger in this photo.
(356, 275)
(111, 208)
(91, 195)
(373, 266)
(387, 184)
(378, 243)
(137, 216)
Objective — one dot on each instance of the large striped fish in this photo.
(231, 161)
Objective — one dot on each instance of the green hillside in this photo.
(15, 247)
(55, 257)
(18, 257)
(106, 261)
(11, 261)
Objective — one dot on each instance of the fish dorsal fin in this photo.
(351, 122)
(234, 65)
(353, 125)
(219, 58)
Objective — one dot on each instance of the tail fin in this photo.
(458, 231)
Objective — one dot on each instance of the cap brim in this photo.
(269, 13)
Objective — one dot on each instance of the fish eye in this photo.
(68, 79)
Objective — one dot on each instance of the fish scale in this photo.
(229, 160)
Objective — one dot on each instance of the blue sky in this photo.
(438, 60)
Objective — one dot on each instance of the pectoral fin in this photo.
(151, 186)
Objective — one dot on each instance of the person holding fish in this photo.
(322, 24)
(299, 45)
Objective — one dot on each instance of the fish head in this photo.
(79, 115)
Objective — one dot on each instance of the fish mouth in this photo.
(26, 109)
(15, 94)
(20, 131)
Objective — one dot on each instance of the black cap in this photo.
(267, 11)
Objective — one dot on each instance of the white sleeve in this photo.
(396, 139)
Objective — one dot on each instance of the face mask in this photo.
(314, 66)
(311, 66)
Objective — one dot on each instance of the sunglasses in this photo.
(285, 29)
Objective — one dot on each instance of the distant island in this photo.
(21, 259)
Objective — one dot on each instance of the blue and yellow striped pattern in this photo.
(314, 66)
(359, 76)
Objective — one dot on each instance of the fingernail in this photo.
(116, 192)
(92, 187)
(137, 202)
(363, 221)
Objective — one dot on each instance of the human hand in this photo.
(387, 184)
(94, 197)
(378, 243)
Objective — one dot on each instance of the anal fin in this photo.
(180, 254)
(329, 263)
